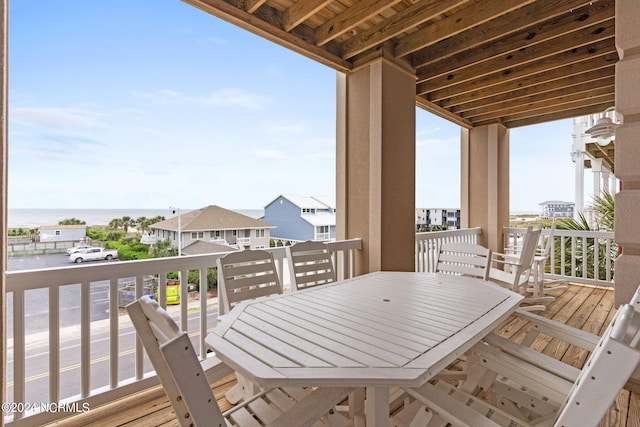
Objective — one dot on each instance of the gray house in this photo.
(302, 218)
(63, 233)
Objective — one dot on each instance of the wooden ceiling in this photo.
(477, 62)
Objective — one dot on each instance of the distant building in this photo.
(302, 218)
(445, 218)
(556, 209)
(214, 224)
(62, 233)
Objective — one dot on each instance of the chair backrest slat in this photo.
(310, 264)
(466, 259)
(246, 275)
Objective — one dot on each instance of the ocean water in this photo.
(33, 218)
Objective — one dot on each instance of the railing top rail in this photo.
(447, 233)
(90, 272)
(563, 232)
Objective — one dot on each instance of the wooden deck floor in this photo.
(584, 307)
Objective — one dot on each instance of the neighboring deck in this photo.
(585, 307)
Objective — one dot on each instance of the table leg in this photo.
(377, 407)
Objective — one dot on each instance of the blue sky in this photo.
(150, 103)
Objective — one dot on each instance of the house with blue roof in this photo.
(301, 218)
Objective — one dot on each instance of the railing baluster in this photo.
(18, 350)
(85, 338)
(204, 288)
(54, 344)
(114, 316)
(139, 363)
(184, 282)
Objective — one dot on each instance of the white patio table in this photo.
(378, 330)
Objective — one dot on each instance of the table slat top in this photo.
(379, 329)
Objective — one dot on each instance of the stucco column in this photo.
(375, 165)
(485, 182)
(627, 226)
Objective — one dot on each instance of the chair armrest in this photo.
(533, 357)
(580, 338)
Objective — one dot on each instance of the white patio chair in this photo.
(513, 272)
(310, 264)
(183, 378)
(245, 275)
(242, 276)
(465, 259)
(527, 388)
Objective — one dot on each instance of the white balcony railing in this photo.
(428, 244)
(89, 357)
(575, 256)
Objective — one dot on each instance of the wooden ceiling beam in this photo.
(521, 107)
(559, 115)
(538, 89)
(551, 109)
(300, 11)
(550, 78)
(349, 19)
(253, 5)
(549, 31)
(530, 60)
(412, 16)
(581, 55)
(495, 29)
(472, 15)
(598, 151)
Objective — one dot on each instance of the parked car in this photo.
(78, 249)
(93, 254)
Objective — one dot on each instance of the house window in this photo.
(322, 229)
(234, 232)
(197, 235)
(259, 232)
(306, 210)
(58, 233)
(215, 234)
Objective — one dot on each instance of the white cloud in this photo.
(54, 118)
(225, 97)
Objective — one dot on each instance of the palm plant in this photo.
(586, 250)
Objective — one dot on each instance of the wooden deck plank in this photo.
(586, 307)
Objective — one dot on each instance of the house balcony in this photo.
(59, 353)
(585, 307)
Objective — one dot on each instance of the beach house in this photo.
(300, 218)
(214, 224)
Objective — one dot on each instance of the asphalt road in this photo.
(37, 301)
(29, 262)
